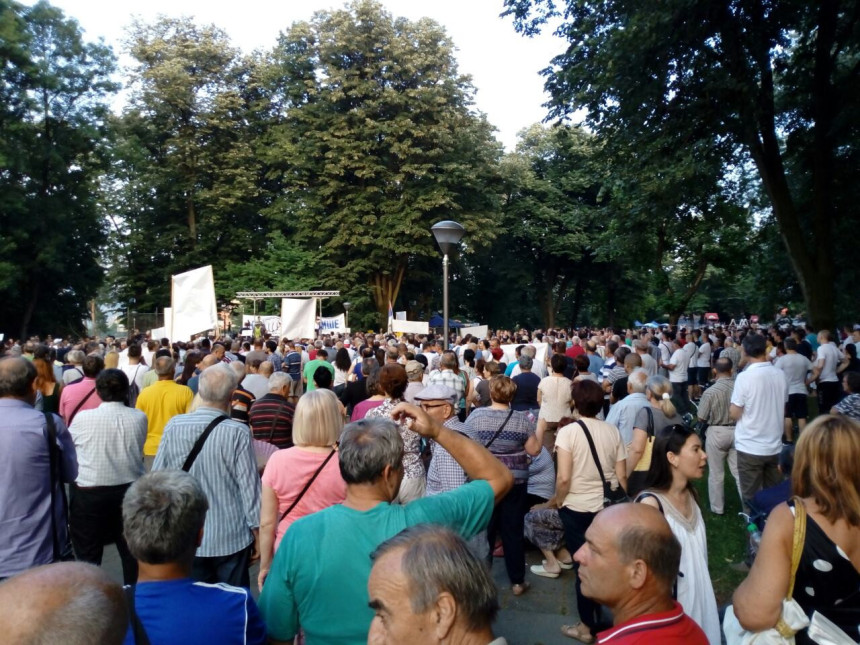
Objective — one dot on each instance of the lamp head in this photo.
(447, 234)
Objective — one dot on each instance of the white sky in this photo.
(504, 65)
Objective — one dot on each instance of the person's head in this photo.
(164, 366)
(393, 381)
(637, 382)
(469, 357)
(111, 359)
(238, 368)
(45, 371)
(825, 467)
(162, 517)
(491, 369)
(723, 366)
(629, 553)
(677, 455)
(216, 385)
(439, 401)
(342, 360)
(851, 382)
(790, 344)
(279, 383)
(371, 452)
(16, 379)
(631, 361)
(581, 362)
(414, 371)
(67, 602)
(218, 351)
(92, 365)
(266, 369)
(587, 397)
(526, 362)
(851, 351)
(207, 361)
(322, 377)
(825, 336)
(659, 390)
(502, 389)
(317, 420)
(426, 583)
(112, 385)
(134, 353)
(754, 345)
(75, 357)
(558, 363)
(448, 361)
(271, 347)
(322, 354)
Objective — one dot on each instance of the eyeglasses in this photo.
(427, 406)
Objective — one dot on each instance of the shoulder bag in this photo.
(198, 445)
(499, 431)
(610, 496)
(80, 405)
(62, 547)
(307, 486)
(792, 618)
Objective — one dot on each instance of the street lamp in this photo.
(448, 235)
(346, 307)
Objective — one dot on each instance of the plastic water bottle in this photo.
(754, 538)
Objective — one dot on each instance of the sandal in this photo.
(519, 590)
(567, 566)
(578, 632)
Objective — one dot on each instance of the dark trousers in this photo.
(575, 525)
(508, 522)
(829, 394)
(95, 519)
(756, 472)
(230, 569)
(681, 397)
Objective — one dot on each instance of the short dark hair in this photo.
(92, 365)
(322, 377)
(754, 345)
(112, 386)
(321, 353)
(661, 551)
(790, 344)
(582, 363)
(723, 365)
(134, 351)
(393, 380)
(271, 346)
(852, 380)
(558, 362)
(587, 396)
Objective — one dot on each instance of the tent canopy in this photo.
(438, 321)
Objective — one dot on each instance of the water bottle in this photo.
(754, 540)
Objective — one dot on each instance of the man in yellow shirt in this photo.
(161, 401)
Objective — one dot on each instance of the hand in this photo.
(416, 420)
(255, 548)
(261, 578)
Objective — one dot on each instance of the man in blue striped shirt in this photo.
(227, 470)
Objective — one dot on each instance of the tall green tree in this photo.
(773, 81)
(53, 93)
(378, 142)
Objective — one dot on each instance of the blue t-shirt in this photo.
(184, 612)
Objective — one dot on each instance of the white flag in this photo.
(298, 318)
(193, 303)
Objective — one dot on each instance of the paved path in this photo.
(535, 618)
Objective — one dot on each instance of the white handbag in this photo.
(793, 618)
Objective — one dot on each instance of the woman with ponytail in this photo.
(649, 423)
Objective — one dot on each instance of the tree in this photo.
(53, 92)
(769, 80)
(377, 142)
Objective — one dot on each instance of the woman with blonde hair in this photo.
(648, 424)
(826, 480)
(112, 360)
(303, 479)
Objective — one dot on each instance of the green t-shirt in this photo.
(311, 367)
(319, 575)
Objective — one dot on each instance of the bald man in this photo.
(629, 563)
(69, 602)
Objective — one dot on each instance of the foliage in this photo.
(770, 81)
(376, 143)
(53, 90)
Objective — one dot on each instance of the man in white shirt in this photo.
(795, 367)
(758, 408)
(667, 339)
(109, 442)
(827, 359)
(678, 367)
(134, 370)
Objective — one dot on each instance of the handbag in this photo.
(307, 486)
(792, 618)
(644, 462)
(610, 496)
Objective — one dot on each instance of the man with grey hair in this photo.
(623, 414)
(324, 559)
(642, 348)
(538, 367)
(271, 416)
(217, 450)
(163, 517)
(68, 602)
(427, 587)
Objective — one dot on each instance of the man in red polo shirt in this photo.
(629, 563)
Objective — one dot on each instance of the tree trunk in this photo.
(577, 300)
(28, 311)
(192, 223)
(386, 287)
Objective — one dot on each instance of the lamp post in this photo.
(448, 235)
(346, 307)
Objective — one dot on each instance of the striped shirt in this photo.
(226, 469)
(240, 404)
(444, 473)
(109, 442)
(271, 420)
(509, 446)
(715, 403)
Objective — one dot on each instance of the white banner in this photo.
(400, 315)
(333, 325)
(511, 352)
(478, 331)
(162, 332)
(410, 327)
(298, 318)
(193, 302)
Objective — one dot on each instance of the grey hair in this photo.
(278, 381)
(367, 446)
(162, 514)
(638, 380)
(526, 361)
(437, 560)
(75, 357)
(217, 383)
(529, 350)
(239, 368)
(164, 365)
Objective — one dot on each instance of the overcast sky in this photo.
(504, 65)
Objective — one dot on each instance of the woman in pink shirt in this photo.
(317, 425)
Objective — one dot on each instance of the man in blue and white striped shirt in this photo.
(227, 470)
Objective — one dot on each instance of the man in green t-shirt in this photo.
(318, 579)
(311, 367)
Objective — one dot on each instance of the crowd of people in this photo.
(381, 475)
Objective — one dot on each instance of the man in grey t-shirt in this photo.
(795, 367)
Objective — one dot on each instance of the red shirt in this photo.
(574, 350)
(497, 353)
(667, 628)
